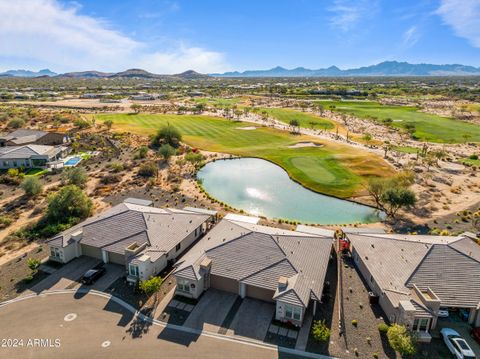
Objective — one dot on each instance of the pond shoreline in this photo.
(379, 215)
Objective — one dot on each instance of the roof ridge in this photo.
(419, 264)
(230, 241)
(463, 254)
(267, 267)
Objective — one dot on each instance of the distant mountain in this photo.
(191, 75)
(86, 74)
(27, 73)
(387, 68)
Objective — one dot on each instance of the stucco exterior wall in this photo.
(195, 292)
(280, 314)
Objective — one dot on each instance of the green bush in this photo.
(141, 153)
(16, 123)
(166, 151)
(383, 328)
(81, 124)
(149, 169)
(354, 322)
(320, 331)
(74, 176)
(70, 203)
(194, 157)
(151, 285)
(32, 186)
(5, 221)
(401, 340)
(167, 135)
(33, 263)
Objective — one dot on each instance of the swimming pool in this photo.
(72, 161)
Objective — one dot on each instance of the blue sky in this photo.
(169, 36)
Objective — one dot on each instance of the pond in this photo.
(262, 188)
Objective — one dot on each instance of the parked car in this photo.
(92, 275)
(476, 334)
(443, 313)
(456, 344)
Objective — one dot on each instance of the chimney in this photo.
(282, 283)
(77, 235)
(206, 264)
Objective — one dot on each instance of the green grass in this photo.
(332, 169)
(471, 162)
(428, 127)
(306, 120)
(35, 172)
(405, 149)
(218, 101)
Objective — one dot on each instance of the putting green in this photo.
(428, 127)
(332, 169)
(306, 120)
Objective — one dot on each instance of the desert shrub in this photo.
(320, 331)
(32, 186)
(16, 123)
(33, 263)
(111, 178)
(166, 151)
(81, 123)
(67, 205)
(151, 285)
(167, 135)
(149, 169)
(74, 176)
(117, 167)
(194, 157)
(5, 221)
(401, 340)
(141, 153)
(383, 328)
(354, 322)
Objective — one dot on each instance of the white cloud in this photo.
(45, 32)
(411, 36)
(348, 13)
(464, 17)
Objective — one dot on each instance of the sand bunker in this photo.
(249, 128)
(305, 144)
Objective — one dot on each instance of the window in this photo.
(421, 324)
(56, 252)
(133, 270)
(177, 248)
(183, 285)
(293, 312)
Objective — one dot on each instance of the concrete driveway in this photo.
(211, 310)
(252, 319)
(463, 329)
(66, 275)
(113, 272)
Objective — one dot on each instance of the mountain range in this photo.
(386, 68)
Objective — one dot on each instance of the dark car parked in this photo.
(92, 275)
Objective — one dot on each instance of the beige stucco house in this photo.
(415, 275)
(144, 239)
(285, 267)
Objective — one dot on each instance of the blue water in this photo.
(262, 188)
(73, 161)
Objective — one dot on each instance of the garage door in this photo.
(116, 258)
(225, 284)
(90, 251)
(260, 293)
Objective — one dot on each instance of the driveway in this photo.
(463, 329)
(113, 272)
(65, 276)
(252, 319)
(211, 310)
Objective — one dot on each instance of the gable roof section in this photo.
(258, 255)
(22, 136)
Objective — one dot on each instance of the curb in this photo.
(137, 313)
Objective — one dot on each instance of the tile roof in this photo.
(259, 255)
(126, 223)
(28, 151)
(449, 266)
(23, 136)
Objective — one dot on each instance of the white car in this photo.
(443, 313)
(456, 344)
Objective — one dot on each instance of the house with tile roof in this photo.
(25, 136)
(29, 156)
(270, 264)
(414, 276)
(144, 239)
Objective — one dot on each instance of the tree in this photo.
(74, 175)
(320, 331)
(166, 151)
(67, 205)
(150, 286)
(395, 198)
(401, 340)
(108, 124)
(295, 125)
(32, 186)
(167, 134)
(135, 107)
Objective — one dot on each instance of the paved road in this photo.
(89, 326)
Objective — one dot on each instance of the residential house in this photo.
(30, 156)
(416, 275)
(284, 267)
(27, 137)
(144, 239)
